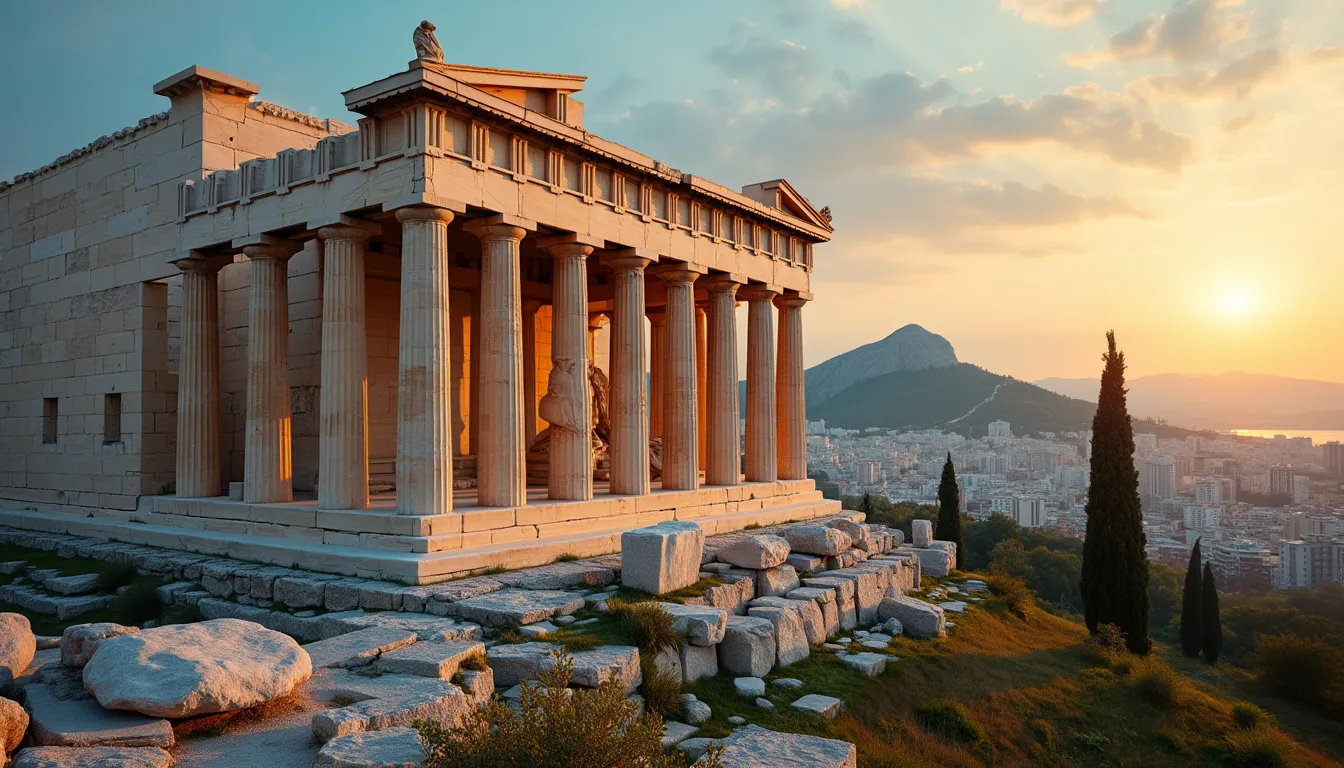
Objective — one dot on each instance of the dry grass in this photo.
(210, 726)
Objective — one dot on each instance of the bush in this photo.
(138, 604)
(950, 720)
(1157, 683)
(1248, 716)
(1304, 669)
(661, 690)
(1013, 592)
(1260, 747)
(558, 727)
(650, 627)
(1108, 644)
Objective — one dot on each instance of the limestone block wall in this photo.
(88, 339)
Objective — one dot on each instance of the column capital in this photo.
(630, 260)
(268, 247)
(200, 261)
(342, 227)
(792, 300)
(721, 283)
(759, 292)
(501, 226)
(424, 213)
(679, 273)
(569, 240)
(425, 200)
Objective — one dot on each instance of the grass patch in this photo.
(1259, 748)
(695, 590)
(950, 720)
(1157, 683)
(565, 558)
(1012, 592)
(216, 725)
(661, 690)
(1248, 716)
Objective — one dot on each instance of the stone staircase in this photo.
(50, 592)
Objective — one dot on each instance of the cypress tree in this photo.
(1115, 567)
(948, 527)
(1212, 622)
(1192, 629)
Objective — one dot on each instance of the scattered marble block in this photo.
(695, 711)
(765, 703)
(737, 720)
(756, 552)
(592, 668)
(391, 748)
(697, 662)
(674, 732)
(748, 646)
(934, 562)
(82, 723)
(809, 614)
(790, 639)
(517, 607)
(358, 648)
(750, 687)
(816, 704)
(955, 606)
(71, 585)
(479, 684)
(816, 539)
(702, 624)
(776, 581)
(540, 629)
(427, 627)
(17, 647)
(662, 558)
(436, 660)
(918, 618)
(78, 642)
(858, 533)
(805, 563)
(93, 757)
(870, 664)
(387, 701)
(975, 586)
(694, 749)
(791, 683)
(923, 533)
(755, 747)
(891, 627)
(518, 662)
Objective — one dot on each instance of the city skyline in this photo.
(1061, 168)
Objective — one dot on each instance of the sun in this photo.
(1236, 303)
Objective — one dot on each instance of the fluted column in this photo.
(343, 446)
(424, 386)
(629, 417)
(762, 455)
(501, 460)
(723, 450)
(657, 322)
(267, 460)
(789, 392)
(680, 434)
(530, 307)
(701, 388)
(199, 459)
(571, 472)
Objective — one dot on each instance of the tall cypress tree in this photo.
(1115, 566)
(949, 511)
(1212, 622)
(1192, 629)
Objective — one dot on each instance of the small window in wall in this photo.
(50, 416)
(112, 418)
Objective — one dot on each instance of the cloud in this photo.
(1326, 54)
(784, 68)
(1194, 30)
(1054, 13)
(853, 31)
(1242, 122)
(1235, 80)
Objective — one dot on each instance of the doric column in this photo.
(657, 322)
(680, 470)
(267, 460)
(762, 457)
(501, 460)
(199, 459)
(789, 392)
(569, 401)
(629, 419)
(723, 451)
(424, 386)
(530, 307)
(701, 387)
(343, 446)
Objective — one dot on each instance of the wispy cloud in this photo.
(1054, 13)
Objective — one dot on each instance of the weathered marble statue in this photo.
(557, 406)
(426, 44)
(558, 409)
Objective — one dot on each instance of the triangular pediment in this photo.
(781, 195)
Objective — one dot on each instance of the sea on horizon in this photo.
(1318, 436)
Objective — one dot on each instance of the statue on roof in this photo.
(426, 45)
(825, 213)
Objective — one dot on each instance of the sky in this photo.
(1018, 176)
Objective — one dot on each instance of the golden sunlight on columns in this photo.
(657, 323)
(723, 451)
(701, 387)
(762, 458)
(424, 386)
(501, 459)
(530, 307)
(267, 459)
(343, 445)
(680, 471)
(789, 391)
(629, 419)
(568, 403)
(199, 458)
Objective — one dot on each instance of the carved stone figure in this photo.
(825, 212)
(597, 381)
(557, 406)
(426, 44)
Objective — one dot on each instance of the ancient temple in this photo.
(465, 333)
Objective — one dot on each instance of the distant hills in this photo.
(1225, 401)
(910, 348)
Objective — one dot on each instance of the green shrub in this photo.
(650, 627)
(138, 604)
(1108, 644)
(1013, 592)
(1261, 747)
(1306, 669)
(950, 720)
(575, 643)
(1157, 683)
(116, 576)
(557, 727)
(1247, 716)
(661, 690)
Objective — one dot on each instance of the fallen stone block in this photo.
(478, 684)
(805, 564)
(79, 641)
(934, 562)
(390, 748)
(756, 552)
(869, 589)
(559, 576)
(809, 613)
(918, 618)
(822, 706)
(749, 687)
(674, 732)
(697, 662)
(816, 539)
(358, 648)
(776, 581)
(662, 558)
(695, 711)
(923, 533)
(516, 607)
(748, 647)
(389, 701)
(436, 660)
(731, 596)
(702, 624)
(870, 664)
(953, 606)
(427, 627)
(71, 585)
(513, 664)
(790, 639)
(754, 747)
(83, 723)
(592, 668)
(93, 757)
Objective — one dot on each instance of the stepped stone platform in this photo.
(410, 549)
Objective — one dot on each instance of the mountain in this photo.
(907, 349)
(1225, 401)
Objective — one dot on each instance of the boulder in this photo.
(776, 581)
(13, 724)
(697, 662)
(78, 642)
(817, 539)
(858, 532)
(592, 668)
(918, 618)
(790, 639)
(923, 533)
(870, 664)
(702, 624)
(748, 646)
(93, 757)
(756, 552)
(17, 646)
(662, 558)
(754, 747)
(816, 704)
(192, 669)
(392, 748)
(695, 711)
(749, 687)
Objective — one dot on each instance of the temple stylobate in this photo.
(518, 339)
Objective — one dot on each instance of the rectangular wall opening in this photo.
(50, 416)
(112, 418)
